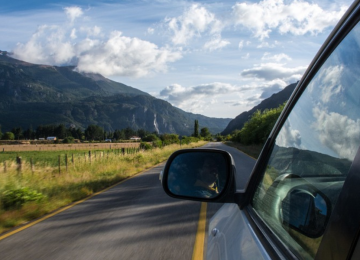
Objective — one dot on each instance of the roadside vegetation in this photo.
(36, 189)
(251, 138)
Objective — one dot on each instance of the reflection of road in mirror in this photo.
(206, 184)
(198, 174)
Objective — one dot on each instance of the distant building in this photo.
(135, 138)
(51, 138)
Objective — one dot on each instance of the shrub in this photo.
(145, 146)
(150, 138)
(68, 140)
(15, 198)
(8, 136)
(157, 144)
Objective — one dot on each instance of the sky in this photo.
(215, 58)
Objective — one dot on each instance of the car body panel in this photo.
(231, 236)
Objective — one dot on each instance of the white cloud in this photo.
(73, 12)
(272, 87)
(194, 22)
(271, 71)
(243, 43)
(337, 132)
(329, 81)
(246, 56)
(91, 31)
(49, 45)
(90, 51)
(288, 137)
(126, 56)
(298, 17)
(197, 97)
(215, 44)
(276, 57)
(150, 30)
(267, 45)
(73, 34)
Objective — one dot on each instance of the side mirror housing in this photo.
(200, 174)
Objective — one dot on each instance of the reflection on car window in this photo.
(313, 153)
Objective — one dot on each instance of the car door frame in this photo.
(342, 232)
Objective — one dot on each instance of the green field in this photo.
(51, 158)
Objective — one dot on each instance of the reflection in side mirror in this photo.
(197, 173)
(306, 212)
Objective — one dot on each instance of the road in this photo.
(133, 220)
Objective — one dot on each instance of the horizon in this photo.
(217, 59)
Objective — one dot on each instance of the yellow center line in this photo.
(198, 253)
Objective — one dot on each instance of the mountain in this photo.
(272, 102)
(33, 95)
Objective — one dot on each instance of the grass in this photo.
(51, 158)
(81, 179)
(251, 150)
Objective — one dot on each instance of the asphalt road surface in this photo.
(133, 220)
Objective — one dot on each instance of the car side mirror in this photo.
(306, 211)
(199, 174)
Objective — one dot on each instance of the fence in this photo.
(59, 147)
(63, 161)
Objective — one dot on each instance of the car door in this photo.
(302, 201)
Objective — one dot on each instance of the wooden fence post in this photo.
(32, 165)
(19, 164)
(72, 159)
(90, 156)
(59, 164)
(66, 162)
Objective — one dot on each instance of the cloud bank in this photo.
(297, 17)
(198, 97)
(91, 51)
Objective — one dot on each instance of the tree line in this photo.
(97, 133)
(91, 133)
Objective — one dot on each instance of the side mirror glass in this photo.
(305, 211)
(197, 173)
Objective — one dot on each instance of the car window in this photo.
(313, 153)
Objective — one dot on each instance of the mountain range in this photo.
(33, 95)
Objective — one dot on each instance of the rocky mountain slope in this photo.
(33, 95)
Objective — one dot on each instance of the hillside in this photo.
(272, 102)
(35, 95)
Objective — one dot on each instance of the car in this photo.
(302, 198)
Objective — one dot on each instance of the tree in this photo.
(170, 139)
(0, 132)
(150, 138)
(196, 129)
(94, 132)
(129, 133)
(258, 128)
(119, 135)
(60, 131)
(8, 136)
(18, 132)
(204, 132)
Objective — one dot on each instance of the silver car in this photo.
(302, 200)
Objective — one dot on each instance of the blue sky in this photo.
(216, 58)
